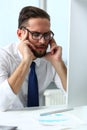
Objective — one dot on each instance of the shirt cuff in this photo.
(7, 96)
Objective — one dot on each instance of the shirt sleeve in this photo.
(8, 99)
(7, 96)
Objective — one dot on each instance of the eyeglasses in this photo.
(37, 36)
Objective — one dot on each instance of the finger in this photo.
(56, 49)
(31, 46)
(52, 43)
(59, 52)
(53, 49)
(25, 35)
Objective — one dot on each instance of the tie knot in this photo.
(32, 65)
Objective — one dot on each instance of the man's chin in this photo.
(39, 54)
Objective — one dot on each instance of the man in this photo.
(35, 37)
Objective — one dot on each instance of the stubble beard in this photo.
(39, 54)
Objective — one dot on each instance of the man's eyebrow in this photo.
(40, 32)
(35, 32)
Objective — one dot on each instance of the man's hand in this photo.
(55, 57)
(55, 53)
(25, 48)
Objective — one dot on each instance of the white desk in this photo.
(28, 119)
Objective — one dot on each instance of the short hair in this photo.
(31, 12)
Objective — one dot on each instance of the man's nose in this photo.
(42, 40)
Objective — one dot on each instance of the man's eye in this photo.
(47, 34)
(36, 34)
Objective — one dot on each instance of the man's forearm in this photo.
(18, 76)
(62, 72)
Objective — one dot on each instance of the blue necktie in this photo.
(33, 97)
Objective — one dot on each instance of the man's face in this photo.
(37, 27)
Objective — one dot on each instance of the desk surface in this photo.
(27, 119)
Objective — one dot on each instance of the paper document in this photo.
(62, 120)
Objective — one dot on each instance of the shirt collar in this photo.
(37, 61)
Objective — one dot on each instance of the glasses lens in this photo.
(49, 36)
(46, 36)
(36, 35)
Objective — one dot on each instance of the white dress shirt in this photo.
(9, 60)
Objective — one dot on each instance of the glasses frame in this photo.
(40, 36)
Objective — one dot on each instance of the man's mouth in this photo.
(41, 47)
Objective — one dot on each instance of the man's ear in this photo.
(20, 33)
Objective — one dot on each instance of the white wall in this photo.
(59, 11)
(9, 11)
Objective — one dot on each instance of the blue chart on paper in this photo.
(63, 120)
